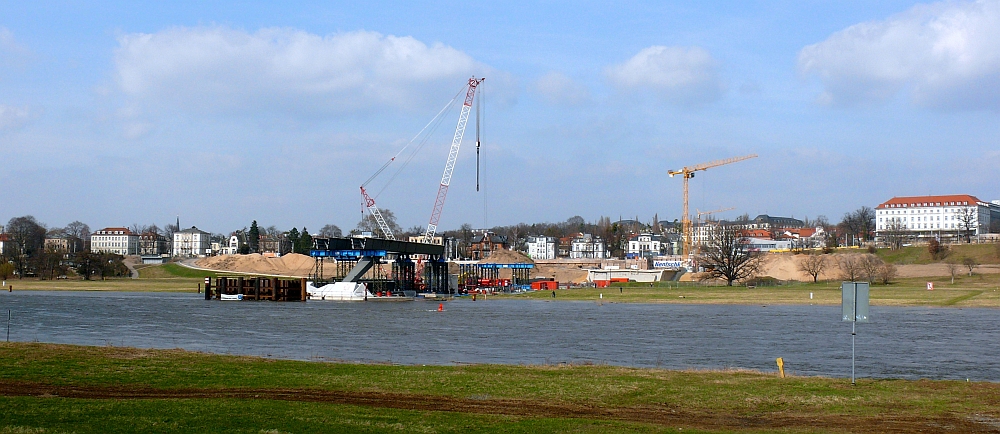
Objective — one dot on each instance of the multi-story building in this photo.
(119, 241)
(58, 245)
(645, 245)
(152, 243)
(541, 247)
(951, 216)
(587, 246)
(773, 224)
(485, 243)
(192, 242)
(232, 246)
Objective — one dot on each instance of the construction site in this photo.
(377, 266)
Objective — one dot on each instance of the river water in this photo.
(938, 343)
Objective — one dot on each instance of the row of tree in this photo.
(25, 252)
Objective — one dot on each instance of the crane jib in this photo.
(449, 167)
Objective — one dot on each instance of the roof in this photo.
(916, 201)
(778, 221)
(113, 231)
(193, 230)
(4, 237)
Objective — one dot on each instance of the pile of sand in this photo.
(292, 264)
(568, 273)
(504, 256)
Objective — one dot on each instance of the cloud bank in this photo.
(945, 55)
(677, 75)
(12, 118)
(559, 89)
(224, 69)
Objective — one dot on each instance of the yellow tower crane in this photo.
(688, 173)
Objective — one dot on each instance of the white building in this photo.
(645, 245)
(587, 246)
(542, 247)
(192, 242)
(936, 216)
(119, 241)
(766, 245)
(230, 247)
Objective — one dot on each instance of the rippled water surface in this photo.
(899, 342)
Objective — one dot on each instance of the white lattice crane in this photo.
(688, 173)
(449, 166)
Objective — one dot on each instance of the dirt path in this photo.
(657, 414)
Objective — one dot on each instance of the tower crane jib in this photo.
(688, 173)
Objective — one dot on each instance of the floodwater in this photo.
(938, 343)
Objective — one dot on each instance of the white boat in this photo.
(340, 291)
(230, 297)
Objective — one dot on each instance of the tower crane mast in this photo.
(688, 173)
(449, 166)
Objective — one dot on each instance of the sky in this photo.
(221, 113)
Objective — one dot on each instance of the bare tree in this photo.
(952, 269)
(967, 221)
(858, 225)
(886, 273)
(850, 267)
(79, 235)
(970, 263)
(368, 223)
(813, 265)
(894, 234)
(27, 240)
(870, 266)
(727, 255)
(328, 231)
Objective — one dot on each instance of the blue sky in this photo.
(115, 113)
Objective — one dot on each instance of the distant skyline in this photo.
(121, 113)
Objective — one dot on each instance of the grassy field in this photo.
(171, 270)
(975, 291)
(60, 388)
(983, 253)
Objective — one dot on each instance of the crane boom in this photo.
(370, 204)
(688, 173)
(449, 166)
(701, 213)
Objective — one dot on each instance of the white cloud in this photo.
(557, 88)
(7, 43)
(223, 69)
(12, 118)
(680, 75)
(947, 55)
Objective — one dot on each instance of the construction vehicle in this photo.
(688, 173)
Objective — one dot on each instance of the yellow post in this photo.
(781, 366)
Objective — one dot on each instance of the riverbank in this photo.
(46, 387)
(975, 291)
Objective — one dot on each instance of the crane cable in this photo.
(435, 121)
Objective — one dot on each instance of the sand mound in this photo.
(292, 264)
(562, 273)
(505, 256)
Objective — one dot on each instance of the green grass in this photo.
(975, 291)
(983, 253)
(171, 269)
(117, 284)
(483, 398)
